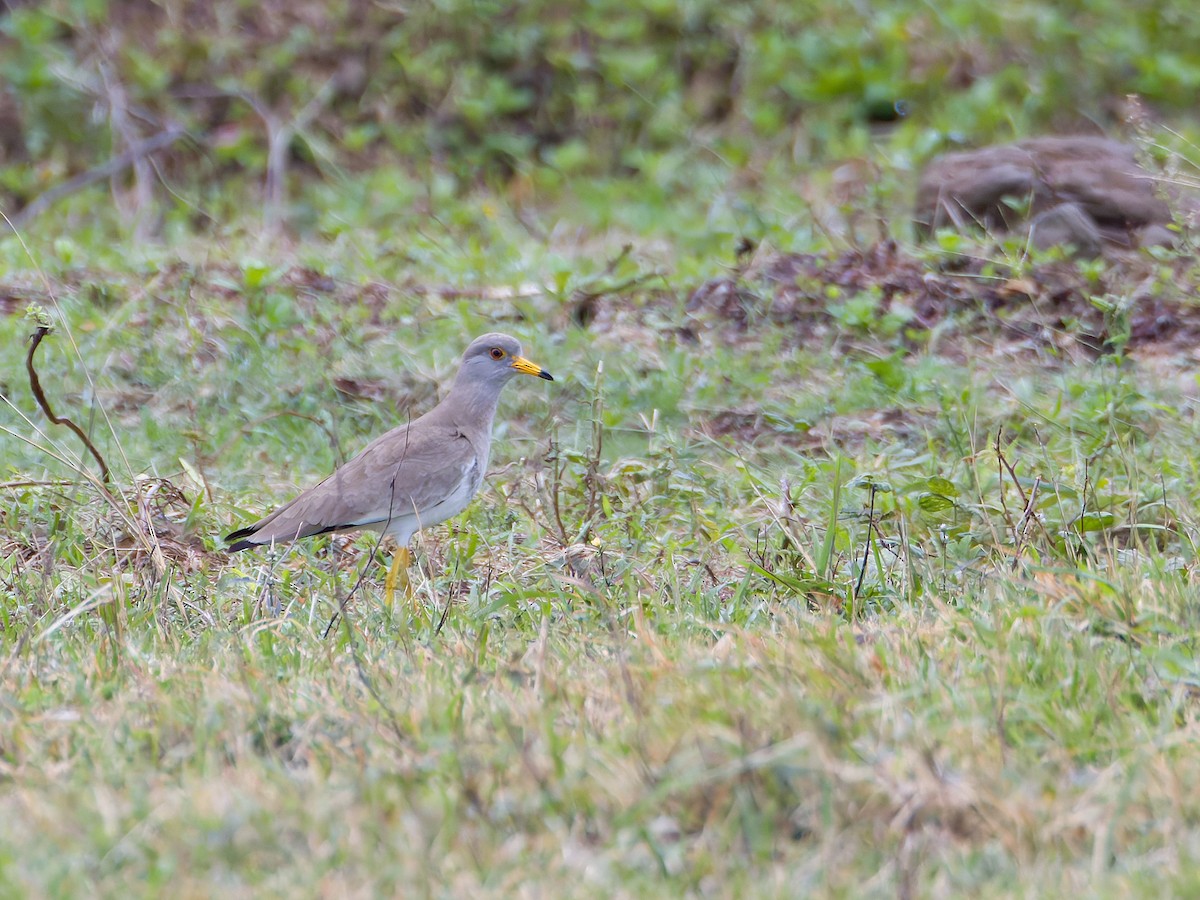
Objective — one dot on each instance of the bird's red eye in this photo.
(496, 353)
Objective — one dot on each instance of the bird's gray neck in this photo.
(474, 404)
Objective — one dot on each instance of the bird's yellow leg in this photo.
(397, 575)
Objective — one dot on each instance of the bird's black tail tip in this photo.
(239, 540)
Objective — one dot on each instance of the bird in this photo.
(416, 475)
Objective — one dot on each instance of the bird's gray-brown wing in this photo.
(406, 470)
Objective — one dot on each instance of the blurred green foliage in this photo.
(485, 89)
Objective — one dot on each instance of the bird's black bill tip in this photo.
(528, 367)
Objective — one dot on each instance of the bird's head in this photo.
(495, 358)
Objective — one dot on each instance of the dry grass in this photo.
(995, 750)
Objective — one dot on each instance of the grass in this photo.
(780, 603)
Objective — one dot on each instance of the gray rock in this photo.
(994, 187)
(1156, 235)
(1066, 225)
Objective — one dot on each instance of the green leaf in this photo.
(938, 485)
(1093, 521)
(930, 502)
(868, 482)
(802, 583)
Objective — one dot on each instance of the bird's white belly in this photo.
(405, 523)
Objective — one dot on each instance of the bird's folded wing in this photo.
(400, 473)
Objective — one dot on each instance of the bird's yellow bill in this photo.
(521, 364)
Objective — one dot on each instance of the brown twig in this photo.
(583, 299)
(862, 569)
(117, 164)
(39, 395)
(1002, 464)
(280, 134)
(1028, 501)
(1022, 530)
(122, 127)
